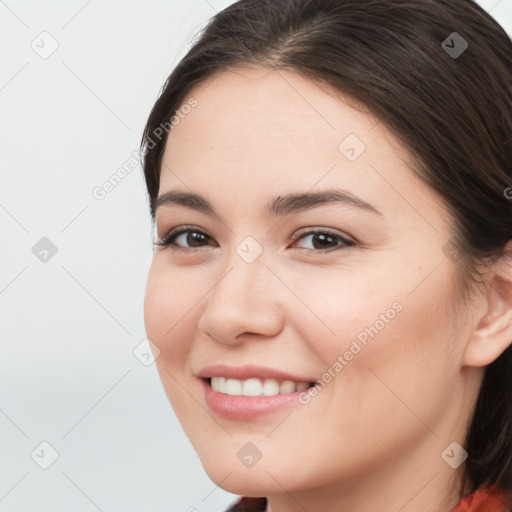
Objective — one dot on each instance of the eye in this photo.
(187, 235)
(187, 238)
(323, 239)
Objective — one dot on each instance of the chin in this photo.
(237, 479)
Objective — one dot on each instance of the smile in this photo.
(256, 386)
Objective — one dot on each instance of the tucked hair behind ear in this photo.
(452, 112)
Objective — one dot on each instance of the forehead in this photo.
(254, 116)
(278, 108)
(255, 133)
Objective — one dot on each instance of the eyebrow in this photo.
(281, 205)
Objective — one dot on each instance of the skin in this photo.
(372, 439)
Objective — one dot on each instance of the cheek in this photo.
(343, 311)
(379, 329)
(168, 304)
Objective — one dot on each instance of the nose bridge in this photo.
(243, 298)
(244, 277)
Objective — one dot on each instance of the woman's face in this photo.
(368, 300)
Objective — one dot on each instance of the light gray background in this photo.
(69, 326)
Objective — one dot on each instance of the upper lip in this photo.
(247, 372)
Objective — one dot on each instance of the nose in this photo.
(246, 299)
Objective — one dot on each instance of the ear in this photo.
(493, 334)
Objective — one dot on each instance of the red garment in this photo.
(482, 500)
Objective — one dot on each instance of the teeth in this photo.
(301, 386)
(270, 387)
(233, 387)
(287, 386)
(256, 387)
(252, 387)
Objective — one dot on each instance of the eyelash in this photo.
(169, 238)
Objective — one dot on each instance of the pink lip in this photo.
(246, 408)
(247, 372)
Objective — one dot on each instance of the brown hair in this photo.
(448, 99)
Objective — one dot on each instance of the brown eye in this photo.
(184, 239)
(324, 241)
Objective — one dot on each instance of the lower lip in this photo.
(247, 407)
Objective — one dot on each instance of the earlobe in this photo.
(493, 334)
